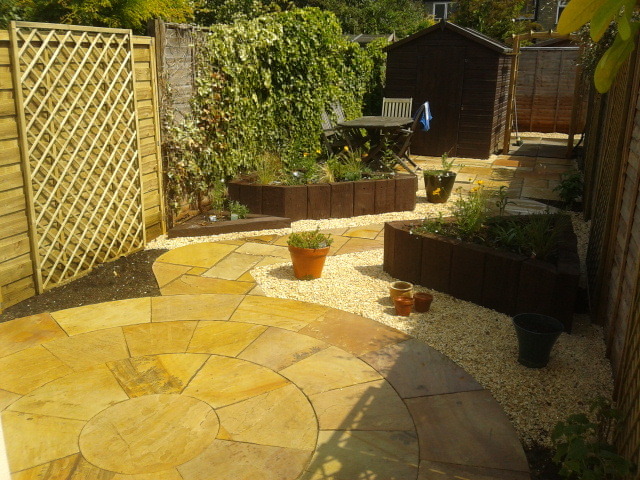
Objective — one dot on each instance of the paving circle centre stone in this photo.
(149, 434)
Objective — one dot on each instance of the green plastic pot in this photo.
(536, 336)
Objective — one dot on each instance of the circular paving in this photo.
(217, 387)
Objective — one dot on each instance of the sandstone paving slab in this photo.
(104, 315)
(223, 381)
(289, 314)
(264, 250)
(72, 466)
(348, 455)
(280, 418)
(149, 434)
(277, 348)
(194, 307)
(353, 333)
(77, 396)
(28, 369)
(329, 369)
(368, 231)
(159, 337)
(224, 338)
(225, 460)
(368, 406)
(28, 332)
(148, 375)
(447, 471)
(467, 428)
(204, 255)
(415, 369)
(191, 284)
(7, 398)
(35, 439)
(166, 272)
(232, 266)
(91, 348)
(169, 474)
(358, 245)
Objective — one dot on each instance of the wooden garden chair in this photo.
(396, 107)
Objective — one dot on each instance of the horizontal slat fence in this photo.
(545, 90)
(18, 272)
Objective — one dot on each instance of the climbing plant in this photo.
(261, 85)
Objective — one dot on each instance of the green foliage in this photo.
(583, 445)
(470, 212)
(495, 18)
(261, 86)
(600, 14)
(132, 14)
(313, 239)
(9, 10)
(268, 168)
(534, 236)
(502, 200)
(238, 208)
(403, 17)
(209, 12)
(570, 188)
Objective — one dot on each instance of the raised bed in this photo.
(201, 226)
(504, 281)
(328, 200)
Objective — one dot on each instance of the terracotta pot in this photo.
(308, 262)
(400, 289)
(403, 305)
(439, 185)
(422, 301)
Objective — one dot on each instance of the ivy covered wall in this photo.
(261, 86)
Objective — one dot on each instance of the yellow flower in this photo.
(345, 148)
(470, 180)
(480, 182)
(436, 192)
(318, 152)
(474, 189)
(305, 154)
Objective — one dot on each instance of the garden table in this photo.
(381, 131)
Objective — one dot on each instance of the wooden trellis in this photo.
(80, 146)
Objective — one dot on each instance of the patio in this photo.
(213, 380)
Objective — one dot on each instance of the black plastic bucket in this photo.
(536, 335)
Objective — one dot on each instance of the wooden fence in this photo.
(80, 171)
(545, 90)
(612, 202)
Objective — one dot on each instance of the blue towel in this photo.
(425, 117)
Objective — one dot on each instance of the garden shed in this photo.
(464, 75)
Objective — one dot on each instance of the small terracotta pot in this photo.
(403, 305)
(397, 289)
(308, 262)
(422, 301)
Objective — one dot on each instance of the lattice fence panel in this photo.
(80, 146)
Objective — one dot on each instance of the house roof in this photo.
(470, 33)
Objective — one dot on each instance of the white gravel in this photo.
(480, 340)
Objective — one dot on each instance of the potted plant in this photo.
(308, 251)
(439, 183)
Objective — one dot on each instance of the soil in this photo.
(127, 277)
(132, 277)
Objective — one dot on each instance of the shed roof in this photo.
(363, 38)
(470, 33)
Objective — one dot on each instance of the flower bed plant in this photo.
(513, 264)
(313, 187)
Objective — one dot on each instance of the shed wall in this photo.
(464, 82)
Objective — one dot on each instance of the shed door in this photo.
(439, 82)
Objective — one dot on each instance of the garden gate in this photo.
(79, 142)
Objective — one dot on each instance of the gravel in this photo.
(480, 340)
